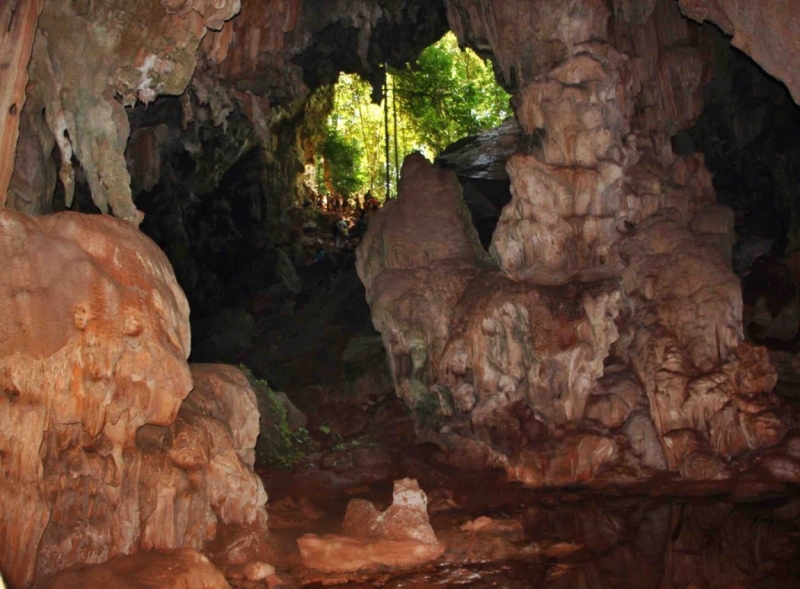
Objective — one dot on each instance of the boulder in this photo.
(105, 458)
(184, 568)
(400, 537)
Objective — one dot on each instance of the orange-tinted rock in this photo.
(224, 393)
(183, 568)
(578, 459)
(487, 540)
(430, 224)
(405, 519)
(34, 179)
(104, 459)
(767, 31)
(527, 39)
(614, 399)
(18, 21)
(337, 554)
(399, 537)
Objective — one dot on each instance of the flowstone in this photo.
(107, 446)
(603, 342)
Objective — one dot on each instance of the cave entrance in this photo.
(439, 106)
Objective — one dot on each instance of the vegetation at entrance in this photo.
(342, 163)
(447, 94)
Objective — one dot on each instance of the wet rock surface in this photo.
(502, 534)
(183, 568)
(604, 381)
(106, 453)
(400, 537)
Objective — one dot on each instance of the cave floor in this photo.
(660, 534)
(664, 533)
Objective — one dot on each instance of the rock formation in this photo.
(183, 568)
(768, 31)
(400, 537)
(18, 22)
(606, 343)
(601, 341)
(101, 454)
(91, 59)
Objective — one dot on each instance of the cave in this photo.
(565, 354)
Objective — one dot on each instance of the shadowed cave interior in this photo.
(565, 351)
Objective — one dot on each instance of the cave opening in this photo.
(562, 348)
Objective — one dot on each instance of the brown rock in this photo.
(399, 537)
(495, 527)
(487, 540)
(19, 22)
(748, 22)
(33, 182)
(405, 519)
(83, 62)
(613, 253)
(577, 459)
(614, 399)
(426, 224)
(337, 554)
(182, 568)
(258, 571)
(224, 393)
(94, 336)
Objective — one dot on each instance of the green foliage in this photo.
(278, 446)
(343, 156)
(450, 94)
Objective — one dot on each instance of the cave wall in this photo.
(747, 132)
(212, 193)
(278, 50)
(602, 339)
(768, 31)
(18, 23)
(93, 60)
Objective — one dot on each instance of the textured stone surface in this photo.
(93, 344)
(224, 393)
(768, 31)
(33, 182)
(608, 343)
(399, 537)
(184, 569)
(92, 59)
(484, 155)
(18, 21)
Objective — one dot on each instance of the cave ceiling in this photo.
(91, 59)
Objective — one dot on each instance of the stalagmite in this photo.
(612, 262)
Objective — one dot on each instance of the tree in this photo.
(449, 93)
(342, 157)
